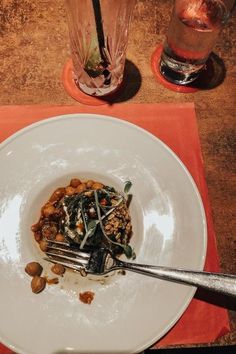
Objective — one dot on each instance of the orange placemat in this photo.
(174, 124)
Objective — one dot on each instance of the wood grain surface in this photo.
(34, 46)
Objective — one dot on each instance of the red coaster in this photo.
(74, 91)
(155, 61)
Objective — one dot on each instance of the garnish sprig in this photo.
(92, 225)
(127, 187)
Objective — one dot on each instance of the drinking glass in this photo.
(98, 31)
(192, 33)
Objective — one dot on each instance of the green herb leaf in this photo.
(91, 227)
(127, 187)
(127, 250)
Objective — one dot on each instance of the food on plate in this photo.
(51, 281)
(33, 268)
(38, 284)
(43, 244)
(88, 214)
(58, 269)
(86, 297)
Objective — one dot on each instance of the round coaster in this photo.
(155, 61)
(74, 91)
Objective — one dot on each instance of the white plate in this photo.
(131, 312)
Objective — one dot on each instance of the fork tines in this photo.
(60, 252)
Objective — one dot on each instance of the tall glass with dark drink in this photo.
(192, 33)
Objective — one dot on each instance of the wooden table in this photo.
(34, 47)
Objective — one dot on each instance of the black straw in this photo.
(99, 28)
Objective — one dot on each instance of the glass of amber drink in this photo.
(192, 34)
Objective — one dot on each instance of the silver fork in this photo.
(101, 262)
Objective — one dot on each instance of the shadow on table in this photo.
(224, 301)
(130, 86)
(212, 76)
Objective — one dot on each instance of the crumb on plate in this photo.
(86, 297)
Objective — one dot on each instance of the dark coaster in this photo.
(155, 61)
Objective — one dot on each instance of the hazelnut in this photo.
(60, 238)
(75, 182)
(81, 188)
(97, 185)
(70, 190)
(89, 183)
(48, 209)
(38, 284)
(43, 245)
(57, 195)
(33, 268)
(58, 269)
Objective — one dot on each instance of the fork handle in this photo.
(222, 283)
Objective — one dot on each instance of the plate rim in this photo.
(76, 116)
